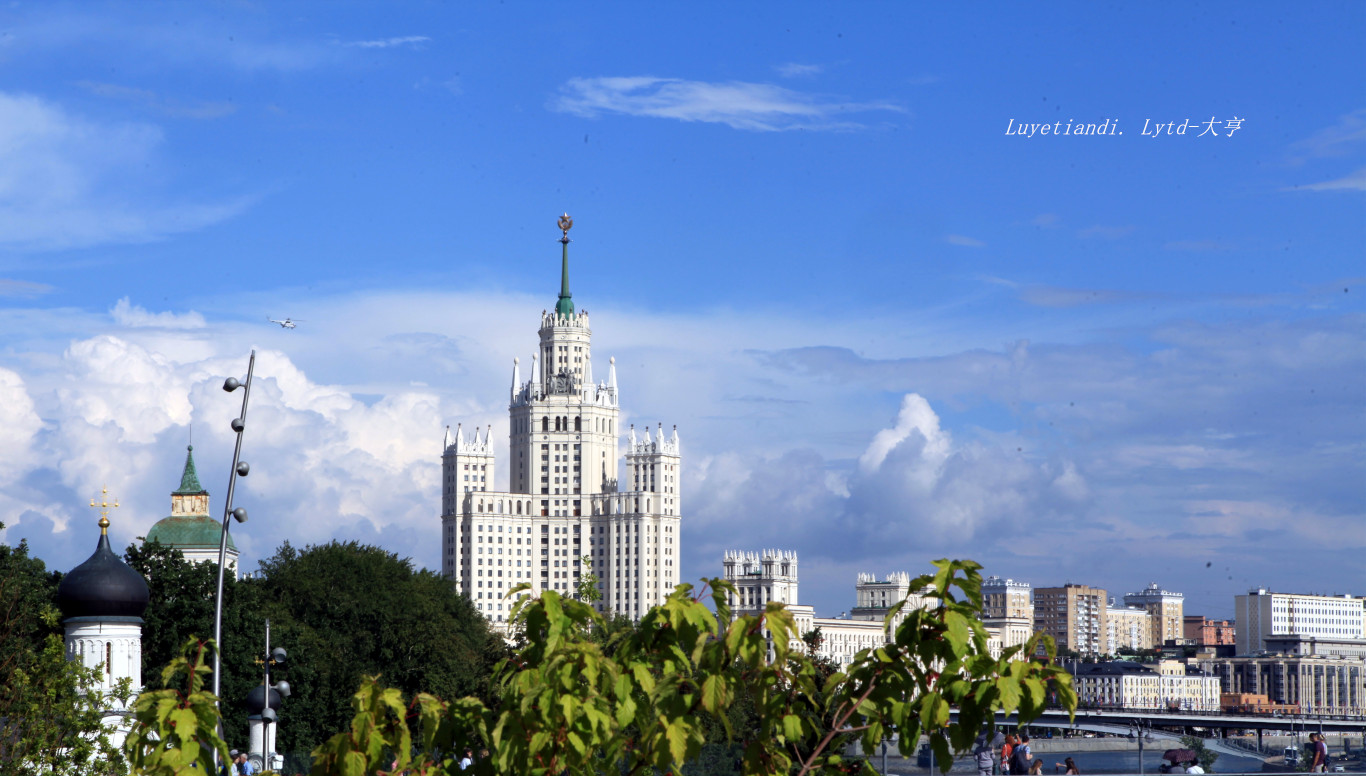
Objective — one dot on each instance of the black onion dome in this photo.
(256, 700)
(104, 587)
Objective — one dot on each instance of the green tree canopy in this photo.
(344, 611)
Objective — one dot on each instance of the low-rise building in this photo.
(1134, 686)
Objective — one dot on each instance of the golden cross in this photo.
(104, 507)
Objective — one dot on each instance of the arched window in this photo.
(545, 423)
(578, 423)
(519, 507)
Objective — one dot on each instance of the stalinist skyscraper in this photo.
(565, 501)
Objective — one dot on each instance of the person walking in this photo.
(1020, 756)
(1006, 751)
(1320, 753)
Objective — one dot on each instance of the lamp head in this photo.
(268, 714)
(278, 655)
(240, 515)
(238, 424)
(243, 468)
(231, 384)
(282, 687)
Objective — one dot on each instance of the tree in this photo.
(51, 717)
(567, 706)
(345, 611)
(587, 588)
(1197, 745)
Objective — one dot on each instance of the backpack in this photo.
(1018, 763)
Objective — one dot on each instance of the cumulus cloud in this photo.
(127, 314)
(737, 104)
(69, 182)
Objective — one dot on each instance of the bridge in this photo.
(1164, 728)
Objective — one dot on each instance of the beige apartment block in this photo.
(1128, 628)
(1074, 615)
(1165, 609)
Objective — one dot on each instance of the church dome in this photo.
(104, 587)
(186, 532)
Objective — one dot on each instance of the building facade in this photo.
(1202, 631)
(1127, 628)
(1262, 614)
(1315, 684)
(565, 513)
(1074, 615)
(771, 575)
(1166, 611)
(1125, 685)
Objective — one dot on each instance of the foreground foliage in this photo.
(569, 704)
(50, 722)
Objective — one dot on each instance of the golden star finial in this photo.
(104, 506)
(566, 223)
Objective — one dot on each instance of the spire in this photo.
(516, 377)
(565, 307)
(189, 480)
(612, 374)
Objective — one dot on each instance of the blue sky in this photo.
(887, 330)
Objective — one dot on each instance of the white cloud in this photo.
(737, 104)
(197, 109)
(1355, 181)
(407, 40)
(1337, 140)
(795, 70)
(966, 242)
(1000, 453)
(127, 314)
(22, 288)
(67, 182)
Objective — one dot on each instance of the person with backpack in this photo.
(1020, 756)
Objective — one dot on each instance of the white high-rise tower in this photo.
(563, 502)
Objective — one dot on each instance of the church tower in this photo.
(189, 528)
(102, 603)
(564, 502)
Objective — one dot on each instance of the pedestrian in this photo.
(1319, 749)
(1020, 756)
(1036, 768)
(983, 753)
(1071, 767)
(467, 759)
(1006, 751)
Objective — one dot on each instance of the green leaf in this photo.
(792, 727)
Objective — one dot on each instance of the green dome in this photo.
(189, 532)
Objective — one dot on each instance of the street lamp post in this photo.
(239, 469)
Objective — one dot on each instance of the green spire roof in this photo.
(189, 481)
(565, 306)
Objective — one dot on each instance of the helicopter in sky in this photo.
(287, 323)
